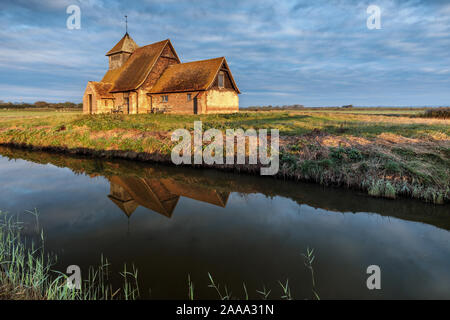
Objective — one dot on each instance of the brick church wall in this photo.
(178, 102)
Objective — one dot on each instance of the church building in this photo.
(152, 79)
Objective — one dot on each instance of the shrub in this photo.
(441, 113)
(337, 153)
(355, 154)
(340, 153)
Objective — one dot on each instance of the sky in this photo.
(314, 53)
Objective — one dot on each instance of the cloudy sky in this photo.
(316, 53)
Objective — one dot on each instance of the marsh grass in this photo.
(382, 188)
(286, 290)
(190, 288)
(225, 295)
(264, 293)
(309, 259)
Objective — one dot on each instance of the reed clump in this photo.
(26, 271)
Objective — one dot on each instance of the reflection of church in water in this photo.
(159, 195)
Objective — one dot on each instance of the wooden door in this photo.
(195, 106)
(90, 103)
(127, 105)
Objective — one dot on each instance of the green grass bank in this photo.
(387, 153)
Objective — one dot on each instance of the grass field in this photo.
(32, 114)
(386, 152)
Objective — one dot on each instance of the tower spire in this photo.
(126, 24)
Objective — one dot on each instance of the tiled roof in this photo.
(136, 69)
(190, 76)
(126, 44)
(102, 89)
(182, 77)
(112, 74)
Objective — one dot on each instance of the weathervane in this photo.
(126, 24)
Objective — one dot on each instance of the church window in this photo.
(221, 80)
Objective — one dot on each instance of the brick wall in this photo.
(99, 105)
(104, 105)
(211, 101)
(132, 96)
(143, 101)
(87, 92)
(118, 99)
(178, 102)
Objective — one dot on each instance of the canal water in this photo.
(173, 222)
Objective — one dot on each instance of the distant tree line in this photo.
(270, 107)
(289, 107)
(40, 105)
